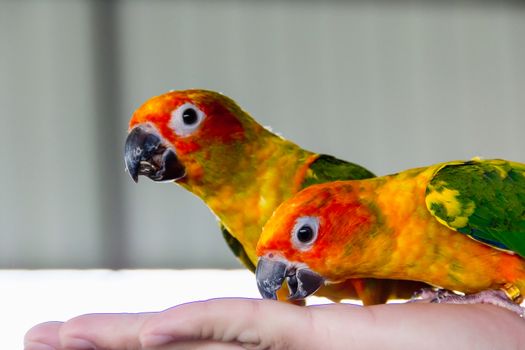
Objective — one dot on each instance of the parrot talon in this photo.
(430, 295)
(493, 297)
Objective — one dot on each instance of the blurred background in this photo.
(386, 84)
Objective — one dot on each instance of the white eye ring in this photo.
(186, 119)
(304, 232)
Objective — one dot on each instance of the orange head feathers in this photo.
(311, 232)
(177, 135)
(300, 225)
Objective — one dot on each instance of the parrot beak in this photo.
(270, 275)
(146, 154)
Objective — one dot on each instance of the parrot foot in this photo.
(430, 294)
(494, 297)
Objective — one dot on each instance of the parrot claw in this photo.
(494, 297)
(430, 295)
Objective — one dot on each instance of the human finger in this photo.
(43, 336)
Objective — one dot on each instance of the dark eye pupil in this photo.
(189, 116)
(305, 234)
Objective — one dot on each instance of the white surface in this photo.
(31, 297)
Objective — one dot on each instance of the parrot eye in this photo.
(186, 119)
(304, 232)
(189, 116)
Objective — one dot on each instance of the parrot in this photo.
(458, 226)
(204, 142)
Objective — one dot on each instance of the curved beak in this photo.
(270, 275)
(146, 154)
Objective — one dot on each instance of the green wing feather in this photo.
(327, 168)
(484, 199)
(324, 169)
(237, 249)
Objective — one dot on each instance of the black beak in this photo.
(270, 275)
(146, 154)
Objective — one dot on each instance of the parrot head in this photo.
(187, 135)
(308, 236)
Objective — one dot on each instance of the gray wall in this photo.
(390, 85)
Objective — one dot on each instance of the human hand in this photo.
(266, 324)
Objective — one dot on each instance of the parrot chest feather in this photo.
(245, 198)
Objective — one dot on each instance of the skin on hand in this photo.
(266, 324)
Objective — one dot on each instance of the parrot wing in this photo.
(327, 168)
(484, 199)
(237, 249)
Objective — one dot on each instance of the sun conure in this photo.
(458, 225)
(206, 143)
